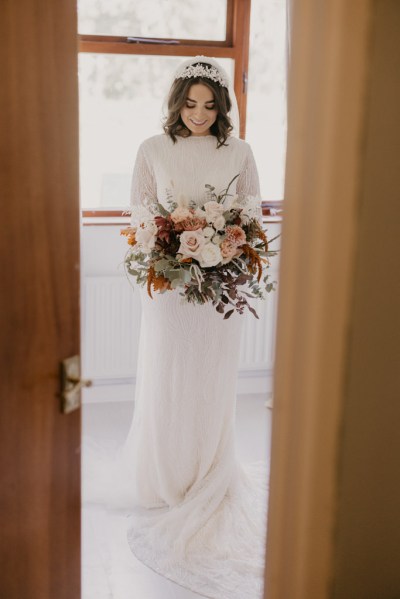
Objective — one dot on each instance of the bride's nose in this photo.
(199, 114)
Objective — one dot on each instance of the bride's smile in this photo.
(195, 123)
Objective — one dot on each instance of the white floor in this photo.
(109, 569)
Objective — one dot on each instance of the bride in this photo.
(196, 514)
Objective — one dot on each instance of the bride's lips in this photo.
(198, 124)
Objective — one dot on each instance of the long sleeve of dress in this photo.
(143, 186)
(248, 181)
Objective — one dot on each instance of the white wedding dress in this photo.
(196, 514)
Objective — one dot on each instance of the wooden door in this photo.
(39, 301)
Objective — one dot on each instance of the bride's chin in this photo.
(199, 130)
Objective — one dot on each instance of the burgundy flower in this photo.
(164, 226)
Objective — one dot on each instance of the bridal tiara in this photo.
(199, 70)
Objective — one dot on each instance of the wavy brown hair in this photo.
(173, 124)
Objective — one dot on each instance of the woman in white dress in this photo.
(197, 515)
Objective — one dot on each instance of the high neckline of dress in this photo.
(197, 137)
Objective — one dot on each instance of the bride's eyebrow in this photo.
(194, 101)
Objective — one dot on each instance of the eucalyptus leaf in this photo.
(186, 275)
(176, 283)
(162, 210)
(161, 265)
(173, 275)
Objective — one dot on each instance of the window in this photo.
(127, 51)
(154, 18)
(266, 103)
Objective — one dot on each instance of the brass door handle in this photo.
(71, 384)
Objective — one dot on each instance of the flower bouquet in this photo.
(207, 252)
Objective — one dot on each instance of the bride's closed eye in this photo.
(193, 105)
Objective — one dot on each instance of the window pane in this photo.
(266, 102)
(191, 19)
(120, 105)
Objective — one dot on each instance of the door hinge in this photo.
(245, 80)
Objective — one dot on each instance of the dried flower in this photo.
(255, 260)
(129, 232)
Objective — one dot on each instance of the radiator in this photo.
(110, 331)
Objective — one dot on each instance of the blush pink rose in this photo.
(193, 222)
(235, 234)
(192, 242)
(179, 214)
(228, 249)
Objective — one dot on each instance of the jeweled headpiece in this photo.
(199, 70)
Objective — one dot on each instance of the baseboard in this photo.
(115, 390)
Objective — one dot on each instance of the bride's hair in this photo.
(173, 124)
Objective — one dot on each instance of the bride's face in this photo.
(199, 111)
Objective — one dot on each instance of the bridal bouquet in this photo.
(207, 252)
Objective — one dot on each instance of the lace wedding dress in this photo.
(196, 514)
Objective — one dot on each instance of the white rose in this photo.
(219, 223)
(200, 212)
(210, 255)
(229, 202)
(192, 243)
(213, 210)
(140, 214)
(208, 232)
(251, 209)
(146, 236)
(237, 201)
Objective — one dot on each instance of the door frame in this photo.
(326, 110)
